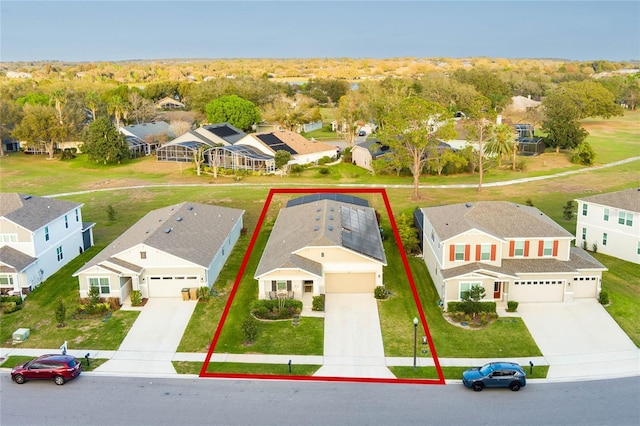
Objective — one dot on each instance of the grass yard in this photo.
(274, 337)
(38, 314)
(186, 367)
(622, 282)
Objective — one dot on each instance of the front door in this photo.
(497, 287)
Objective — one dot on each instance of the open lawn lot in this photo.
(613, 140)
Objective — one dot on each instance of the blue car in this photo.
(495, 375)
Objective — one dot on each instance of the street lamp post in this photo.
(415, 341)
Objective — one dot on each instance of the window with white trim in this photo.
(547, 248)
(518, 249)
(102, 283)
(604, 238)
(485, 252)
(6, 280)
(584, 209)
(459, 252)
(77, 216)
(606, 215)
(584, 233)
(638, 251)
(66, 221)
(465, 287)
(9, 238)
(59, 253)
(625, 218)
(46, 233)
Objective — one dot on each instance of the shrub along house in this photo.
(515, 252)
(169, 249)
(38, 236)
(325, 243)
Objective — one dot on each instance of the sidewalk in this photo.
(594, 367)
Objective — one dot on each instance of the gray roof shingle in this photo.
(316, 224)
(629, 199)
(195, 233)
(14, 260)
(33, 212)
(498, 218)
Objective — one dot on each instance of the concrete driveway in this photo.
(153, 339)
(352, 338)
(580, 339)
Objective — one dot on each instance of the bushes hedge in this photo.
(270, 309)
(489, 307)
(318, 303)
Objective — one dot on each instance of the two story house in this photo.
(169, 249)
(611, 224)
(38, 236)
(514, 251)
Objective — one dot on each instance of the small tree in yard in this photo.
(61, 313)
(567, 211)
(250, 329)
(471, 299)
(281, 159)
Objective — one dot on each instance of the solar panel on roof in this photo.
(221, 131)
(343, 198)
(360, 232)
(275, 144)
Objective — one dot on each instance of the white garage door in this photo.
(537, 291)
(350, 283)
(584, 287)
(170, 286)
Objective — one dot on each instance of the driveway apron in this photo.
(153, 339)
(352, 338)
(579, 339)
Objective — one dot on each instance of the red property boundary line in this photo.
(423, 320)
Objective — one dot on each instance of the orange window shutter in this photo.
(512, 248)
(540, 248)
(478, 248)
(555, 248)
(452, 252)
(526, 248)
(467, 252)
(493, 252)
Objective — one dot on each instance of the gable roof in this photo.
(323, 223)
(143, 130)
(167, 100)
(380, 149)
(225, 131)
(33, 212)
(210, 134)
(292, 142)
(191, 231)
(498, 218)
(12, 260)
(629, 199)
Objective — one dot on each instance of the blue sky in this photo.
(122, 30)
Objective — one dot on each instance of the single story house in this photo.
(175, 247)
(38, 236)
(364, 153)
(169, 103)
(327, 243)
(145, 138)
(181, 149)
(514, 251)
(302, 150)
(611, 223)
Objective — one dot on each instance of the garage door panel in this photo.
(350, 282)
(169, 286)
(535, 291)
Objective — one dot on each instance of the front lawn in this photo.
(14, 360)
(622, 282)
(38, 315)
(452, 373)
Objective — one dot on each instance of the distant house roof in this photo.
(33, 212)
(380, 149)
(498, 218)
(210, 134)
(168, 102)
(628, 199)
(291, 142)
(521, 103)
(225, 131)
(323, 223)
(145, 129)
(189, 231)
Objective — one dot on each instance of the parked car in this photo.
(495, 375)
(362, 133)
(58, 368)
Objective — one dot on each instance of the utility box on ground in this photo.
(21, 334)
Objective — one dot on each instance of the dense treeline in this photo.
(59, 100)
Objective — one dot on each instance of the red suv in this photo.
(60, 368)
